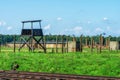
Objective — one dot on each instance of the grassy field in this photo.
(97, 64)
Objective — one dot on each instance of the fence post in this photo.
(0, 46)
(56, 44)
(62, 42)
(100, 41)
(86, 42)
(106, 42)
(32, 44)
(109, 43)
(91, 44)
(80, 43)
(117, 44)
(0, 41)
(29, 44)
(14, 42)
(67, 43)
(45, 43)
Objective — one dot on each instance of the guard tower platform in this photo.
(31, 34)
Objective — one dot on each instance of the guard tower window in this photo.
(32, 31)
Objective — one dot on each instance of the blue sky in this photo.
(88, 17)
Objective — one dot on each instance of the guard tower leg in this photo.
(38, 42)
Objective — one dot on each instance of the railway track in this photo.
(15, 75)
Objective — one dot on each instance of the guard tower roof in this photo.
(31, 21)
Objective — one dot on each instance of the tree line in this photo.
(10, 38)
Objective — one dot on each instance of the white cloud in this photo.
(59, 18)
(108, 28)
(87, 32)
(89, 22)
(47, 27)
(105, 18)
(9, 27)
(99, 30)
(2, 23)
(75, 30)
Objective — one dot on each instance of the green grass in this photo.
(104, 64)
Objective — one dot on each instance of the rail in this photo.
(16, 75)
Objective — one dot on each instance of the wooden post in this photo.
(109, 43)
(5, 39)
(45, 44)
(0, 41)
(62, 42)
(0, 46)
(97, 47)
(20, 43)
(14, 42)
(100, 41)
(32, 37)
(74, 45)
(117, 44)
(67, 43)
(56, 44)
(106, 42)
(29, 44)
(86, 42)
(81, 43)
(91, 44)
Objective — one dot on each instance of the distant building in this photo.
(114, 45)
(73, 46)
(48, 44)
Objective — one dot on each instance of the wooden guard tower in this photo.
(31, 35)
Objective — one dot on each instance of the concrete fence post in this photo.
(14, 37)
(81, 43)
